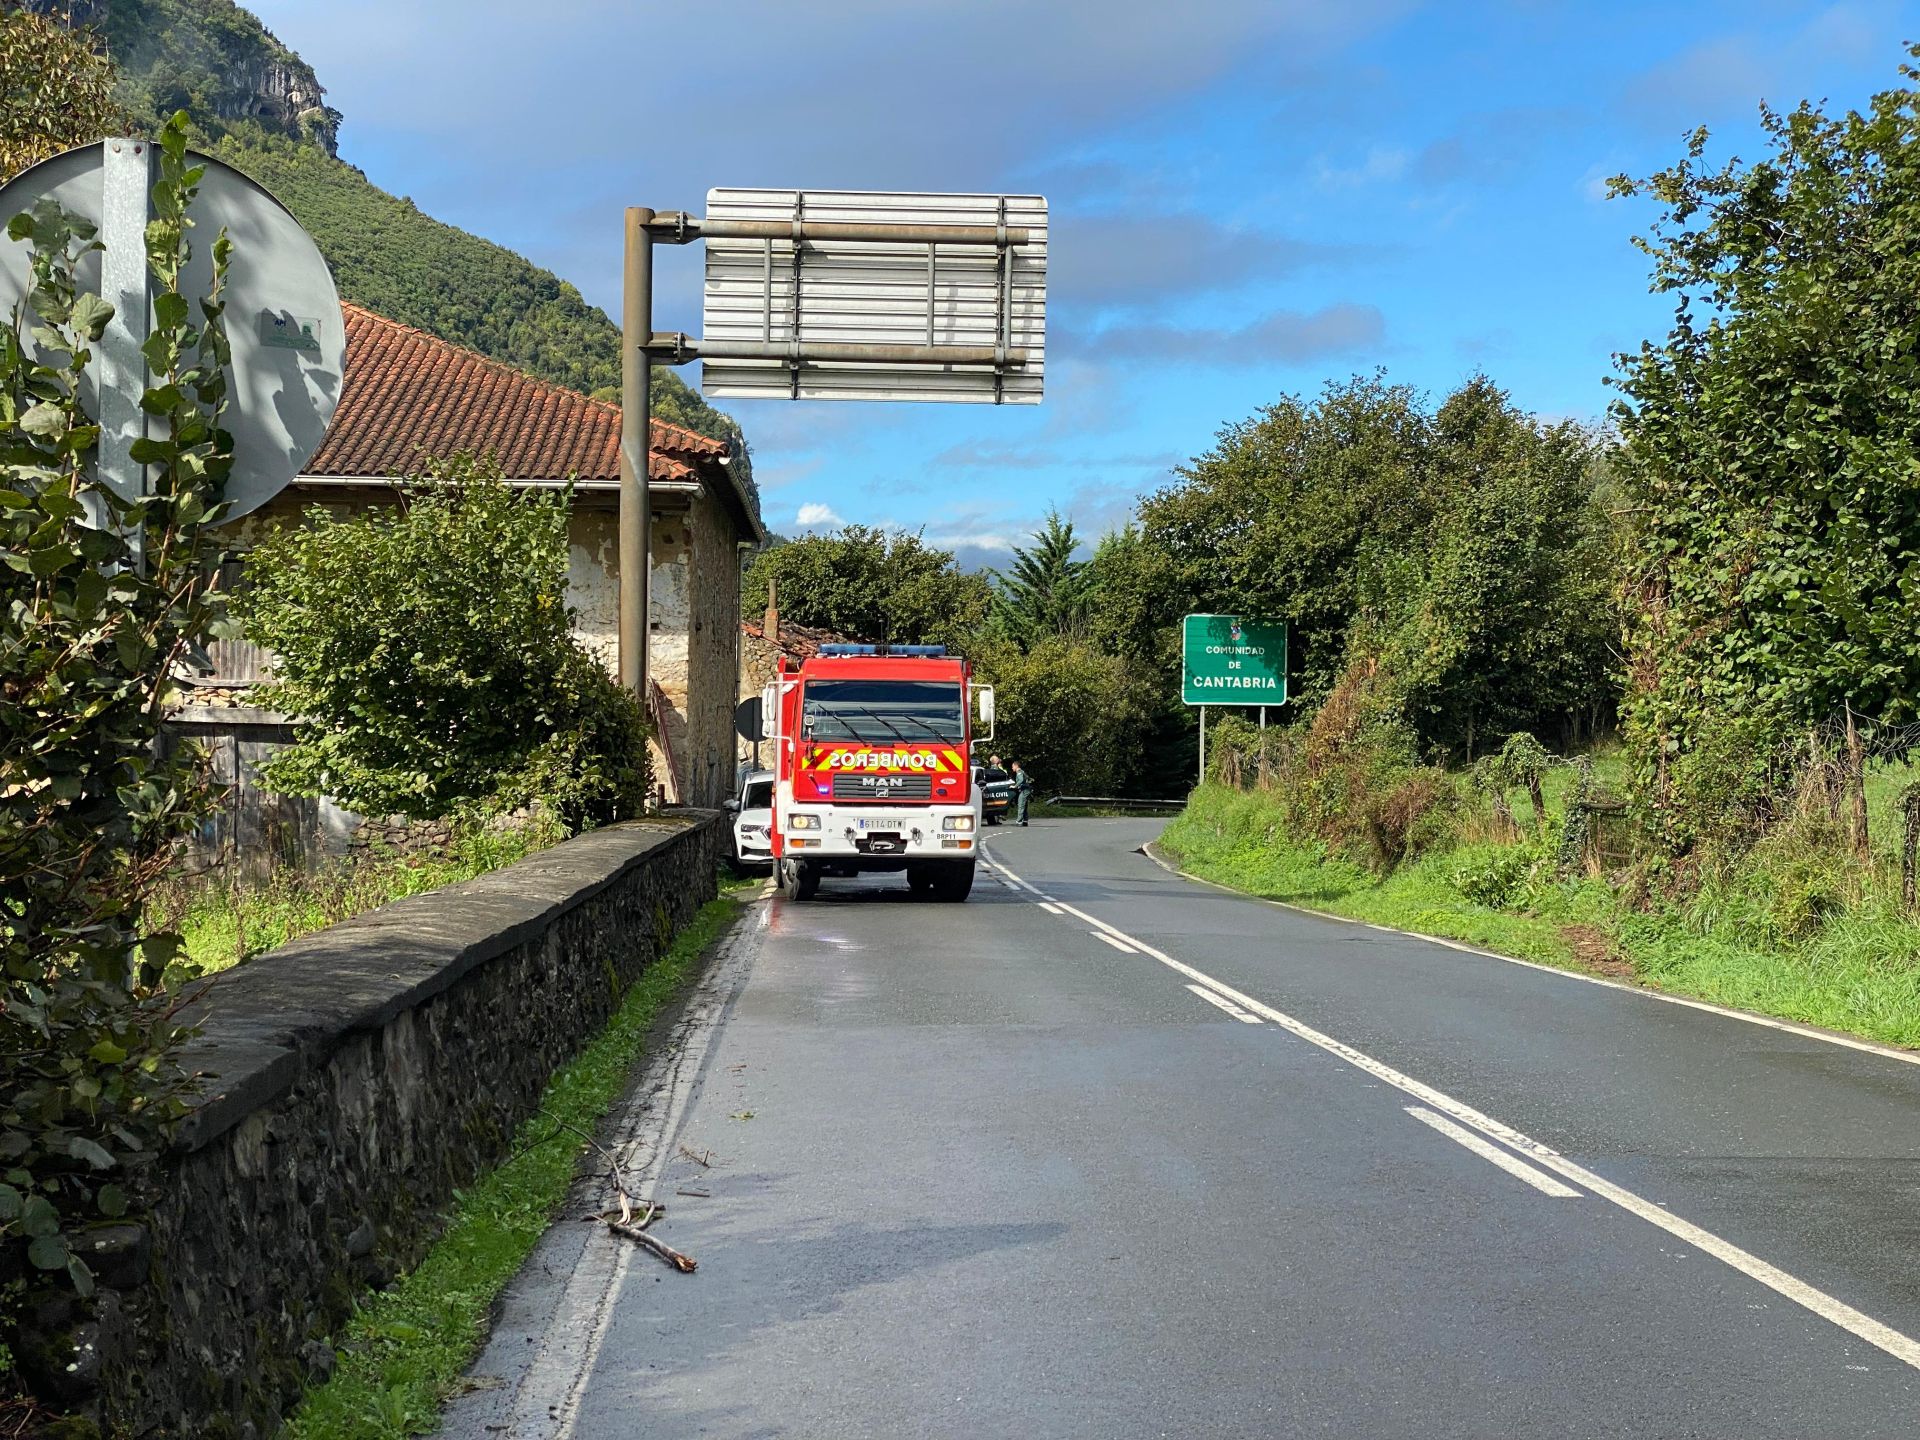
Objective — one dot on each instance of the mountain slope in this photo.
(262, 110)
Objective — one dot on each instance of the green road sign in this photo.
(1225, 660)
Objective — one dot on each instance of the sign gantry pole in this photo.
(636, 439)
(980, 258)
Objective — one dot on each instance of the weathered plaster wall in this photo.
(669, 612)
(358, 1077)
(593, 582)
(713, 653)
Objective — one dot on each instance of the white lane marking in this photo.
(1051, 908)
(1487, 1150)
(1224, 1004)
(1838, 1312)
(1808, 1032)
(547, 1399)
(1120, 945)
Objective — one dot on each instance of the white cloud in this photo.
(1383, 163)
(811, 515)
(1282, 337)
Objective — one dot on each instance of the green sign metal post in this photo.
(1225, 660)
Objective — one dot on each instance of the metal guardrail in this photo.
(1116, 802)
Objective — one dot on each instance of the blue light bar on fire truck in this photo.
(844, 651)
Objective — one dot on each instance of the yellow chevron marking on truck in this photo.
(940, 762)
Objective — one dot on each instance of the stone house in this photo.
(409, 397)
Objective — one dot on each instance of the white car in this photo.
(752, 823)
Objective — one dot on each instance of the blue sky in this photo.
(1248, 197)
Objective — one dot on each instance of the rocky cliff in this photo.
(209, 58)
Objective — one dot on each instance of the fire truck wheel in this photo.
(798, 880)
(953, 881)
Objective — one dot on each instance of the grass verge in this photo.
(404, 1351)
(1857, 970)
(223, 921)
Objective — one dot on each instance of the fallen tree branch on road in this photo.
(684, 1263)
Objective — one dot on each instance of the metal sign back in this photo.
(988, 297)
(283, 316)
(1225, 660)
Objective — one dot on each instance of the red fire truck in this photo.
(874, 767)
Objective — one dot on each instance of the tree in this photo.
(1771, 444)
(1500, 621)
(1272, 519)
(56, 90)
(1065, 711)
(1456, 551)
(1044, 592)
(428, 652)
(870, 584)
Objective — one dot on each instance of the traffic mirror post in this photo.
(120, 367)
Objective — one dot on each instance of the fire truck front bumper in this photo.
(872, 839)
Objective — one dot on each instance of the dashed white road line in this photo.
(1119, 945)
(1855, 1322)
(1225, 1004)
(1051, 908)
(1487, 1150)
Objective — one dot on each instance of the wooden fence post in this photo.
(1857, 784)
(1910, 844)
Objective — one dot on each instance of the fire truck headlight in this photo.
(957, 822)
(803, 822)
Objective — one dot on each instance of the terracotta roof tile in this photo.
(409, 396)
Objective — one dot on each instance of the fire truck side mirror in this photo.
(770, 711)
(986, 707)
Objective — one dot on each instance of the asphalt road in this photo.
(1007, 1169)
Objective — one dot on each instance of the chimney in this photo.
(770, 624)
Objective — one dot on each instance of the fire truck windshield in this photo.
(876, 711)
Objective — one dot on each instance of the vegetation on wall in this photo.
(428, 651)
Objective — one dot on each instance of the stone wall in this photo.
(357, 1077)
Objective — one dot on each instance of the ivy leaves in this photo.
(90, 806)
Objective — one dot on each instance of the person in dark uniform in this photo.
(1022, 792)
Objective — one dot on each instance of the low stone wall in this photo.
(358, 1076)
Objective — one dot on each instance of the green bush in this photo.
(1491, 875)
(427, 650)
